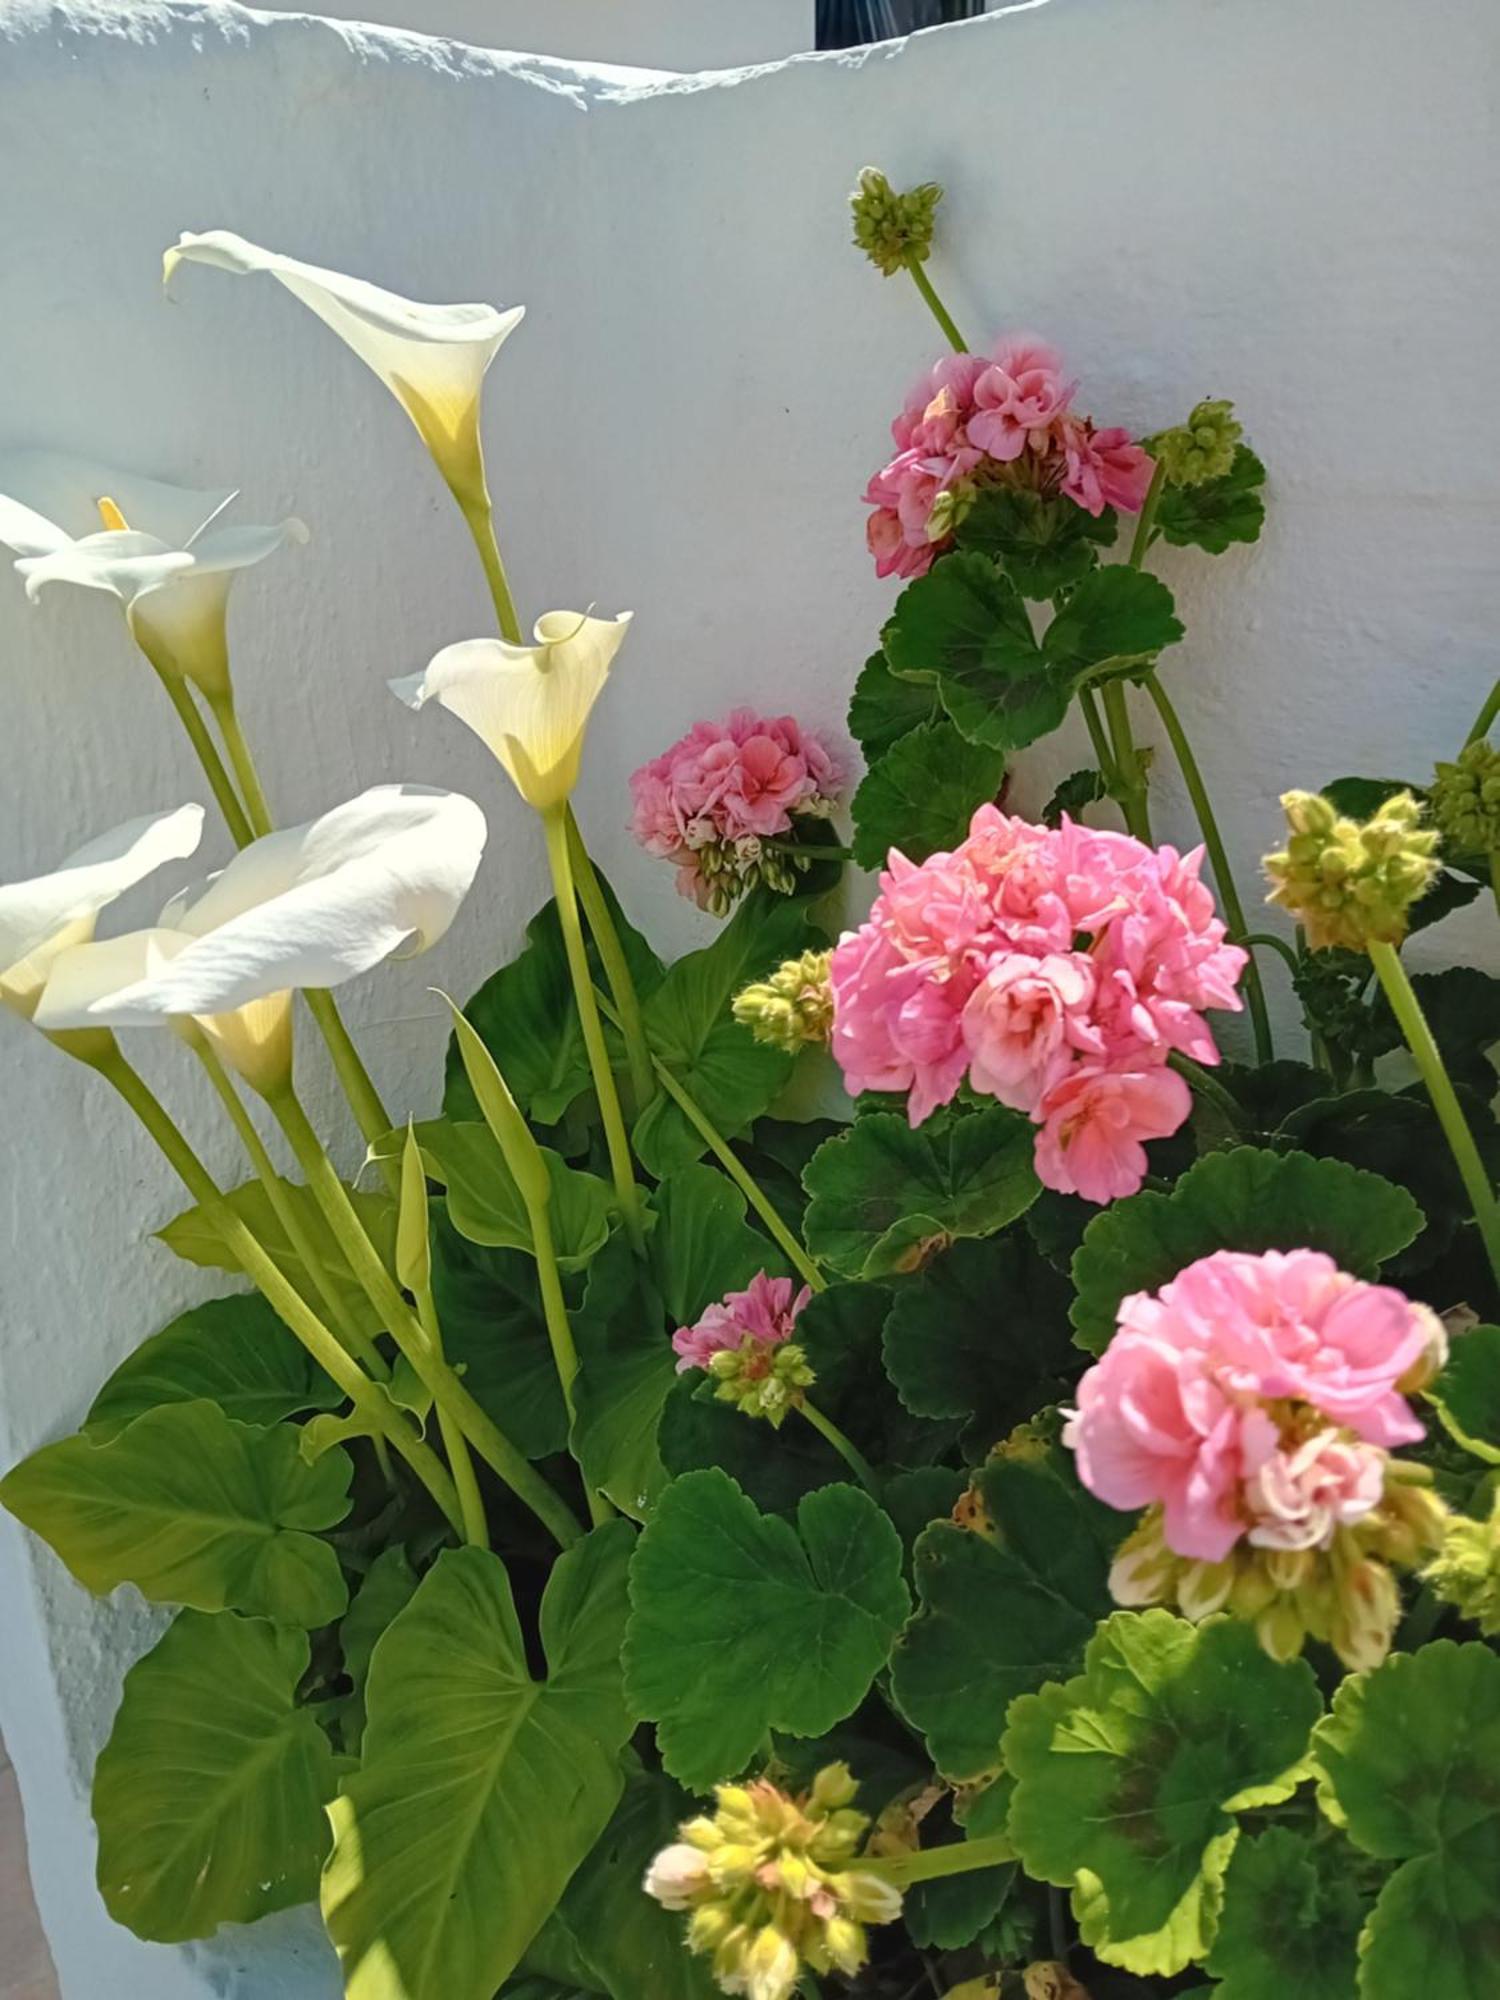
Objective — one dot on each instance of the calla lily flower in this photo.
(50, 914)
(530, 704)
(310, 906)
(173, 580)
(432, 358)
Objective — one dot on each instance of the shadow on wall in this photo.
(845, 24)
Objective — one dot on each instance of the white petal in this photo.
(127, 563)
(217, 549)
(65, 492)
(33, 912)
(530, 704)
(318, 904)
(433, 357)
(92, 985)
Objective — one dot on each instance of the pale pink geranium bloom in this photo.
(894, 555)
(765, 1312)
(1105, 468)
(1095, 1124)
(1300, 1496)
(1027, 1022)
(937, 407)
(1018, 397)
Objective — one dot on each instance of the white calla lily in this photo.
(308, 907)
(49, 499)
(42, 918)
(530, 704)
(432, 358)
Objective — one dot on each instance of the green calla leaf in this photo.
(192, 1508)
(209, 1794)
(1245, 1199)
(886, 706)
(527, 1017)
(1115, 613)
(1045, 545)
(984, 1335)
(702, 1246)
(1290, 1923)
(489, 1306)
(482, 1788)
(1220, 511)
(688, 1023)
(1409, 1763)
(1467, 1393)
(1003, 1608)
(742, 1623)
(626, 1372)
(883, 1194)
(1128, 1777)
(921, 794)
(386, 1588)
(484, 1202)
(234, 1352)
(195, 1236)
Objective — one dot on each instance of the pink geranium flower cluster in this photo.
(1056, 970)
(1256, 1398)
(1000, 419)
(762, 1315)
(713, 801)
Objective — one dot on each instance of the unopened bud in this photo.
(1465, 800)
(1203, 448)
(1349, 884)
(1467, 1569)
(894, 230)
(761, 1380)
(793, 1007)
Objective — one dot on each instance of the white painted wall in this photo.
(1285, 203)
(652, 34)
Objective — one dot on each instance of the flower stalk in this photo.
(226, 798)
(845, 1446)
(616, 966)
(934, 1864)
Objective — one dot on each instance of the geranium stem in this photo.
(931, 1864)
(1208, 1088)
(1413, 1024)
(1129, 772)
(847, 1450)
(939, 311)
(224, 713)
(1218, 859)
(626, 1192)
(616, 966)
(204, 748)
(1094, 723)
(368, 1398)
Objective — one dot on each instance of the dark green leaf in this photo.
(490, 1309)
(626, 1371)
(965, 625)
(741, 1623)
(946, 1915)
(702, 1246)
(886, 706)
(696, 1432)
(1045, 546)
(1220, 511)
(1115, 613)
(1462, 1006)
(1291, 1921)
(484, 1203)
(1467, 1393)
(1078, 790)
(921, 795)
(387, 1587)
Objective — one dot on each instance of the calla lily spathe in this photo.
(432, 358)
(530, 704)
(310, 906)
(46, 916)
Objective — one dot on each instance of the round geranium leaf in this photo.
(1467, 1393)
(1290, 1923)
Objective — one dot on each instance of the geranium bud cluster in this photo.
(894, 230)
(1251, 1406)
(1003, 419)
(1203, 448)
(744, 1342)
(1053, 969)
(1466, 1570)
(1465, 800)
(1351, 883)
(791, 1008)
(770, 1882)
(722, 801)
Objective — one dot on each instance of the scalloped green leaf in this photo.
(234, 1352)
(1290, 1923)
(1245, 1199)
(1129, 1776)
(1117, 613)
(1220, 511)
(884, 1195)
(920, 795)
(482, 1788)
(484, 1202)
(1409, 1763)
(192, 1509)
(885, 707)
(209, 1794)
(1002, 1608)
(1045, 545)
(1467, 1393)
(741, 1622)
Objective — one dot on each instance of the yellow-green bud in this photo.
(791, 1008)
(1349, 884)
(1467, 1569)
(892, 229)
(762, 1380)
(1203, 448)
(1465, 800)
(834, 1788)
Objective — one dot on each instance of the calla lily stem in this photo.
(470, 1499)
(219, 783)
(480, 515)
(616, 966)
(370, 1114)
(222, 708)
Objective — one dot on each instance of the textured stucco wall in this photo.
(1285, 203)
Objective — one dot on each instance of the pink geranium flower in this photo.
(1018, 398)
(1105, 468)
(1252, 1396)
(1025, 1023)
(765, 1313)
(1095, 1125)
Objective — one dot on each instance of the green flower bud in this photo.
(791, 1008)
(950, 509)
(761, 1380)
(1467, 1569)
(1203, 448)
(1465, 800)
(1349, 884)
(892, 229)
